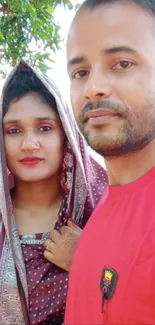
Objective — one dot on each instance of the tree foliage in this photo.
(28, 30)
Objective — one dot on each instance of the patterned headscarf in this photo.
(83, 181)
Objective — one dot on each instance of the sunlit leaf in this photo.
(31, 9)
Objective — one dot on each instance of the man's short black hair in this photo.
(149, 5)
(22, 83)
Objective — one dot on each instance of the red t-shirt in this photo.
(119, 235)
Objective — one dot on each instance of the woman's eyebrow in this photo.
(9, 121)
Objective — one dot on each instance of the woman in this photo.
(54, 180)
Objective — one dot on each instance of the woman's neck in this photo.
(36, 205)
(37, 195)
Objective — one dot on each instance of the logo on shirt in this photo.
(108, 282)
(108, 276)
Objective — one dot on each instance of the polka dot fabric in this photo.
(47, 286)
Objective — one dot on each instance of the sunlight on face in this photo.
(34, 139)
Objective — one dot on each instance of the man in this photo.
(111, 64)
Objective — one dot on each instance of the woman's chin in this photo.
(32, 178)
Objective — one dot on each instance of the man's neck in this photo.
(125, 169)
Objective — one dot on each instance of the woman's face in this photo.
(34, 139)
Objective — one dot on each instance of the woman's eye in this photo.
(122, 65)
(13, 131)
(80, 74)
(45, 128)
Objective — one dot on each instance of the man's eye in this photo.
(80, 74)
(122, 65)
(13, 131)
(45, 128)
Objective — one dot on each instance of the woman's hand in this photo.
(59, 248)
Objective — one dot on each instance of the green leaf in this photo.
(31, 9)
(1, 36)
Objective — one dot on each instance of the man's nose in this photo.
(97, 85)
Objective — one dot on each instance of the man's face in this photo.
(111, 64)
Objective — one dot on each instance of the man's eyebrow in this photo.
(117, 49)
(111, 50)
(46, 118)
(76, 60)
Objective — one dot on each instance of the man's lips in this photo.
(99, 116)
(99, 113)
(30, 160)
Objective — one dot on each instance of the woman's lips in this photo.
(30, 161)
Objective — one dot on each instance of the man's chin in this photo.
(106, 147)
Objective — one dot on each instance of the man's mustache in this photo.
(102, 103)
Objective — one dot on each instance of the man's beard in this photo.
(133, 134)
